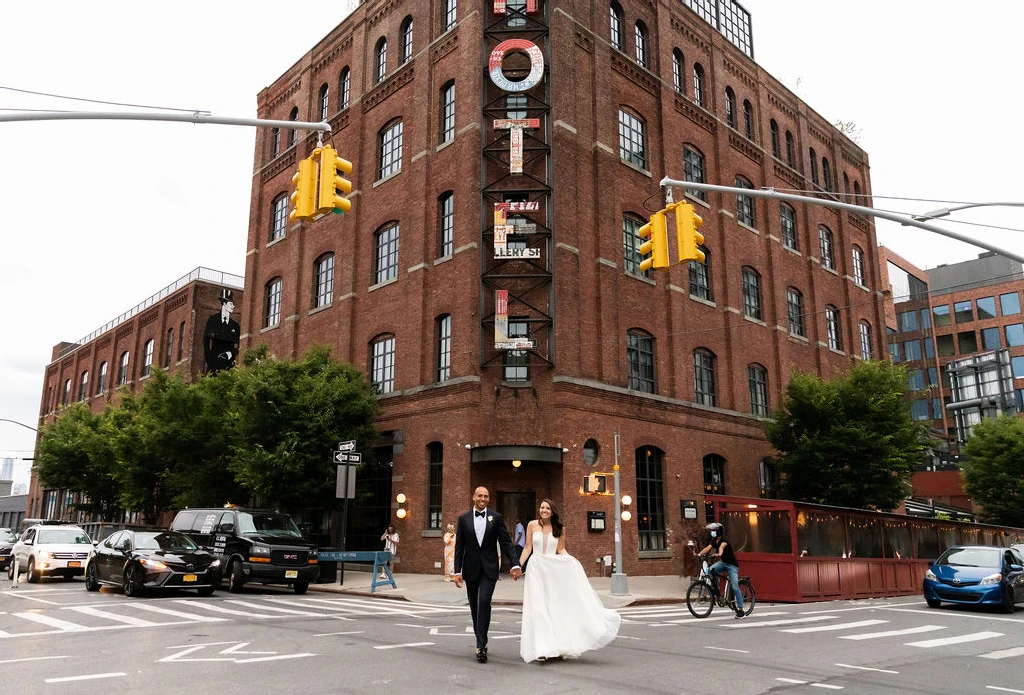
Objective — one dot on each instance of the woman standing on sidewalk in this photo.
(562, 614)
(449, 553)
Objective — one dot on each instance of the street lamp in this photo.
(28, 427)
(620, 582)
(943, 212)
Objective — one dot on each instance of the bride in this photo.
(562, 614)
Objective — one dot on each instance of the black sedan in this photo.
(142, 560)
(7, 541)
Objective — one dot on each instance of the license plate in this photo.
(74, 563)
(190, 578)
(291, 574)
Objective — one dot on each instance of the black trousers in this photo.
(480, 594)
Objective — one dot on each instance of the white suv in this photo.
(50, 550)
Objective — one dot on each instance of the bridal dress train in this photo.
(562, 614)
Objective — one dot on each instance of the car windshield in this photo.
(7, 536)
(972, 557)
(63, 535)
(163, 540)
(258, 524)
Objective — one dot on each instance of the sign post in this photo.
(345, 489)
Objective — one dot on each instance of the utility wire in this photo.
(94, 101)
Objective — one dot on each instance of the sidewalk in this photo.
(432, 588)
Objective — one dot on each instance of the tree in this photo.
(849, 442)
(993, 469)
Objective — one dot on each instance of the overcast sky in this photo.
(99, 215)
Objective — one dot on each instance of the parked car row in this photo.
(202, 548)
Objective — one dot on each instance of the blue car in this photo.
(976, 574)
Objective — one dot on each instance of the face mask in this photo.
(714, 534)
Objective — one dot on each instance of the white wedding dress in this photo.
(562, 614)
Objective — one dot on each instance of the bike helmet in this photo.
(714, 526)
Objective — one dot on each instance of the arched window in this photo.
(704, 390)
(677, 71)
(857, 259)
(650, 498)
(790, 150)
(122, 369)
(787, 221)
(278, 217)
(730, 107)
(83, 386)
(833, 329)
(323, 281)
(448, 14)
(275, 142)
(866, 350)
(640, 360)
(293, 134)
(757, 383)
(322, 100)
(700, 277)
(826, 175)
(693, 170)
(774, 128)
(435, 468)
(714, 474)
(67, 393)
(101, 379)
(745, 204)
(826, 244)
(751, 293)
(443, 353)
(390, 149)
(405, 32)
(748, 119)
(380, 60)
(632, 139)
(446, 224)
(814, 167)
(795, 311)
(385, 243)
(631, 242)
(856, 191)
(382, 363)
(767, 478)
(615, 26)
(344, 88)
(447, 116)
(272, 303)
(698, 85)
(147, 358)
(640, 41)
(846, 187)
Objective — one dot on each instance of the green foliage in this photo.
(993, 469)
(848, 442)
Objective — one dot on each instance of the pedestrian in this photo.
(449, 553)
(391, 539)
(478, 535)
(519, 540)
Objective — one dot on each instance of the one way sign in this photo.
(343, 457)
(348, 445)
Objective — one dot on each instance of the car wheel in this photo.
(1008, 600)
(236, 578)
(132, 581)
(932, 602)
(301, 587)
(91, 582)
(205, 590)
(33, 576)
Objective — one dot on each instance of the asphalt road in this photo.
(57, 637)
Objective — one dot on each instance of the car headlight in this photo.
(996, 578)
(928, 574)
(260, 550)
(49, 556)
(152, 564)
(215, 563)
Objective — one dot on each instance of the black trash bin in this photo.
(328, 568)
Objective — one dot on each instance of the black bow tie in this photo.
(480, 513)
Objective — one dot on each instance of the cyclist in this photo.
(727, 561)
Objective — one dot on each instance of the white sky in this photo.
(102, 214)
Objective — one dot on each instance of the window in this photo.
(986, 308)
(67, 393)
(926, 319)
(83, 386)
(826, 175)
(698, 84)
(714, 474)
(752, 294)
(515, 12)
(940, 315)
(745, 204)
(272, 303)
(380, 60)
(677, 71)
(773, 128)
(435, 467)
(515, 106)
(631, 247)
(446, 224)
(795, 311)
(915, 379)
(967, 342)
(181, 339)
(912, 350)
(858, 265)
(169, 348)
(640, 359)
(640, 42)
(790, 150)
(632, 139)
(382, 364)
(101, 380)
(275, 142)
(278, 217)
(907, 321)
(385, 241)
(846, 188)
(1014, 335)
(825, 242)
(405, 32)
(122, 369)
(1009, 303)
(990, 339)
(293, 133)
(693, 170)
(650, 499)
(704, 376)
(447, 120)
(516, 363)
(443, 355)
(700, 277)
(147, 358)
(730, 107)
(448, 14)
(757, 382)
(964, 311)
(856, 189)
(944, 345)
(323, 101)
(390, 150)
(615, 26)
(832, 328)
(866, 351)
(814, 167)
(344, 88)
(748, 119)
(323, 281)
(787, 220)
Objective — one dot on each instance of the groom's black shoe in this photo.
(481, 655)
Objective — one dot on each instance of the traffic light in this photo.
(333, 185)
(304, 195)
(688, 238)
(655, 234)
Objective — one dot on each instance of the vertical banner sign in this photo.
(515, 126)
(500, 318)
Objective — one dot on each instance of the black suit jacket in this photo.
(473, 560)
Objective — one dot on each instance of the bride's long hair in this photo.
(556, 523)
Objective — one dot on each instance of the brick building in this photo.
(166, 330)
(487, 278)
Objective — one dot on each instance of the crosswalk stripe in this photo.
(837, 626)
(787, 621)
(894, 633)
(127, 620)
(52, 622)
(264, 607)
(207, 606)
(959, 639)
(177, 614)
(716, 616)
(1003, 653)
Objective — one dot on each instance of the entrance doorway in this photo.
(516, 507)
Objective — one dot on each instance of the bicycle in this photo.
(702, 596)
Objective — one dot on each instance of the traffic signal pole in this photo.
(906, 220)
(194, 117)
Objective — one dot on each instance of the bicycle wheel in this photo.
(699, 599)
(749, 598)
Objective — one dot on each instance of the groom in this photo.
(477, 536)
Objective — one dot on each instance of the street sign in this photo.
(342, 457)
(349, 445)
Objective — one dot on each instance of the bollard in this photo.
(14, 585)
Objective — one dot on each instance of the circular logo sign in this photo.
(516, 46)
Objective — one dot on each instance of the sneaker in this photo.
(740, 614)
